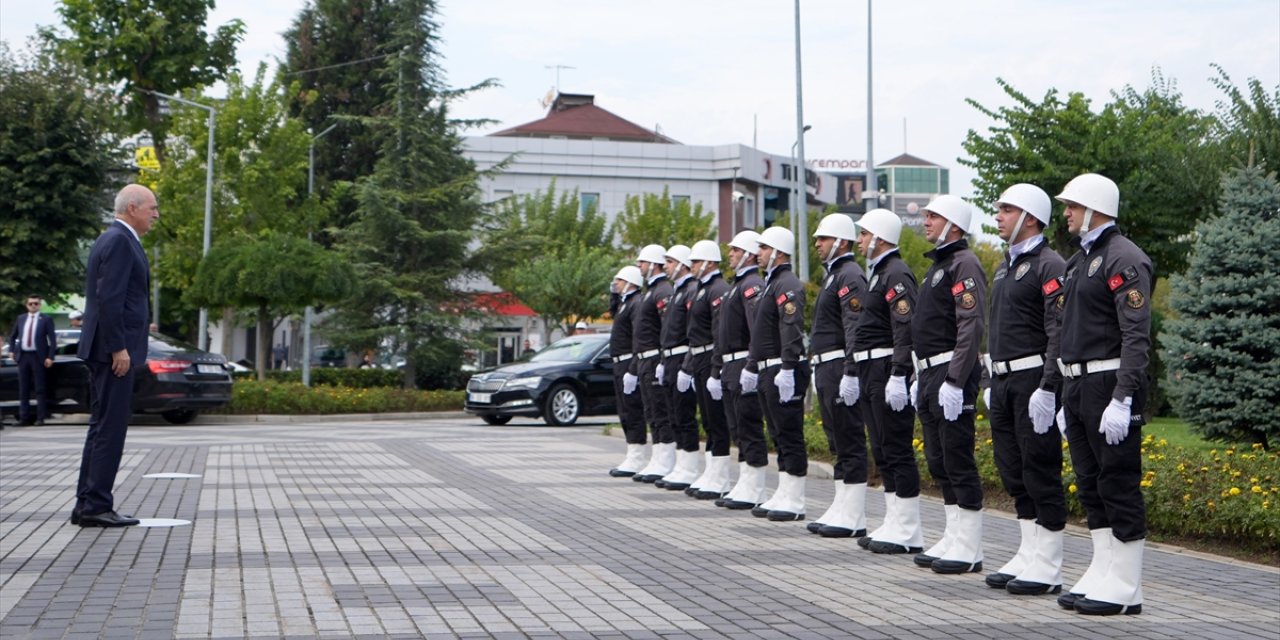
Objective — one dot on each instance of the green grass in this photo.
(1179, 434)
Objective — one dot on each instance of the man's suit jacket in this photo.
(46, 339)
(117, 306)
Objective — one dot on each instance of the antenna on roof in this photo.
(558, 67)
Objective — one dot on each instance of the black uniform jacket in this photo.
(836, 311)
(779, 326)
(1024, 310)
(950, 309)
(704, 317)
(885, 321)
(737, 315)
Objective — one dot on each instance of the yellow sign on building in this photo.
(145, 158)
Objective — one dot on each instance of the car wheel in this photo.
(179, 416)
(496, 420)
(564, 405)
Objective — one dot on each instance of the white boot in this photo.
(1120, 590)
(697, 483)
(763, 510)
(1044, 573)
(964, 555)
(739, 487)
(890, 503)
(1020, 560)
(686, 471)
(791, 505)
(832, 512)
(1092, 577)
(751, 488)
(903, 535)
(852, 519)
(660, 464)
(637, 455)
(940, 547)
(718, 481)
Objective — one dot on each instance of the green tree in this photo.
(272, 274)
(408, 241)
(567, 285)
(54, 162)
(1249, 122)
(657, 219)
(1224, 348)
(141, 45)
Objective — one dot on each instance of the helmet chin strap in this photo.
(742, 262)
(769, 267)
(831, 255)
(702, 270)
(871, 246)
(942, 237)
(1017, 228)
(1084, 222)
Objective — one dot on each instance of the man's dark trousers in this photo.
(111, 403)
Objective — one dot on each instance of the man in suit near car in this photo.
(113, 342)
(33, 344)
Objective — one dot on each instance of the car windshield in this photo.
(570, 350)
(160, 345)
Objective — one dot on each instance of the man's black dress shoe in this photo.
(1026, 588)
(760, 512)
(1098, 608)
(881, 546)
(996, 580)
(75, 515)
(619, 473)
(813, 526)
(865, 543)
(776, 515)
(828, 531)
(107, 519)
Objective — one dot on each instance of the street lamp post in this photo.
(208, 201)
(871, 187)
(310, 311)
(796, 186)
(802, 214)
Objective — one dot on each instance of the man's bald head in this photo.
(136, 207)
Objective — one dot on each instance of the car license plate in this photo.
(209, 368)
(480, 398)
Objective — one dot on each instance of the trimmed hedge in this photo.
(330, 376)
(292, 398)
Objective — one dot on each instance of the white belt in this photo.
(872, 354)
(826, 357)
(648, 354)
(622, 358)
(675, 351)
(1084, 368)
(769, 363)
(1001, 367)
(928, 363)
(701, 350)
(736, 355)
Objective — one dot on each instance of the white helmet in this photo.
(747, 240)
(1029, 198)
(705, 250)
(954, 209)
(883, 224)
(1093, 191)
(652, 253)
(679, 253)
(838, 226)
(780, 238)
(630, 273)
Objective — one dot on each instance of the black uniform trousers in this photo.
(948, 445)
(891, 432)
(745, 417)
(1108, 476)
(846, 436)
(1030, 464)
(31, 377)
(630, 407)
(786, 419)
(711, 410)
(684, 406)
(657, 403)
(110, 408)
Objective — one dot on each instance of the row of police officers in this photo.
(1067, 342)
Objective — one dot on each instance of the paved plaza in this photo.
(450, 528)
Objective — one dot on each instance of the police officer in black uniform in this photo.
(883, 359)
(675, 346)
(831, 347)
(1104, 344)
(695, 371)
(646, 351)
(1024, 323)
(741, 407)
(630, 410)
(945, 333)
(777, 365)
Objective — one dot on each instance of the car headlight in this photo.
(530, 382)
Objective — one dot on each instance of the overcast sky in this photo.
(705, 70)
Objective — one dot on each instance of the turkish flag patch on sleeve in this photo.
(955, 290)
(1051, 286)
(844, 291)
(1115, 282)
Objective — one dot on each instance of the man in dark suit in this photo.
(113, 341)
(33, 343)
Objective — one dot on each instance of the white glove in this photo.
(1041, 409)
(786, 383)
(951, 399)
(1115, 420)
(629, 381)
(684, 381)
(986, 398)
(895, 393)
(658, 376)
(748, 381)
(915, 392)
(1062, 421)
(713, 388)
(849, 390)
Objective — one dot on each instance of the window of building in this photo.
(915, 180)
(502, 194)
(679, 200)
(589, 202)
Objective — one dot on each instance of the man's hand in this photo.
(629, 381)
(120, 363)
(895, 393)
(849, 390)
(1115, 420)
(660, 375)
(714, 388)
(786, 383)
(748, 380)
(684, 381)
(48, 362)
(1041, 406)
(951, 399)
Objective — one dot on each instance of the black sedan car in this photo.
(177, 381)
(570, 378)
